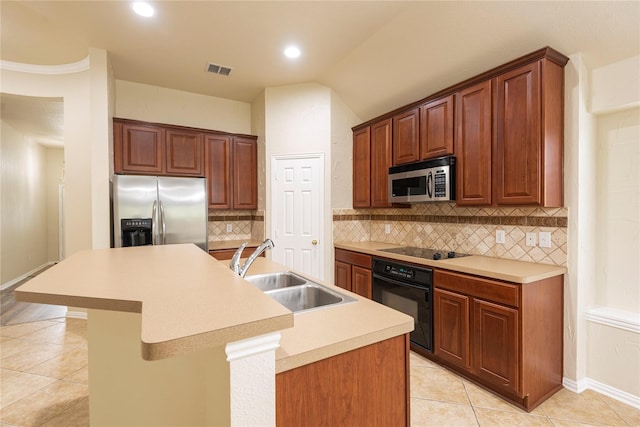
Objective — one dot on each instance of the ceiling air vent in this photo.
(218, 69)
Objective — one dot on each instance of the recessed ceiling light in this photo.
(292, 52)
(143, 9)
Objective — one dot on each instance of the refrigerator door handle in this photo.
(163, 238)
(154, 223)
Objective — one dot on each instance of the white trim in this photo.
(76, 314)
(25, 275)
(576, 387)
(252, 346)
(614, 393)
(615, 318)
(74, 67)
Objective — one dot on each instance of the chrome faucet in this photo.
(235, 260)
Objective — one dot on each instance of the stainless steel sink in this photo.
(297, 293)
(271, 281)
(307, 297)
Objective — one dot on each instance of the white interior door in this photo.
(297, 206)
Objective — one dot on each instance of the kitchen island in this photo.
(173, 335)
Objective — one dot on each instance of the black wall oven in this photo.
(408, 289)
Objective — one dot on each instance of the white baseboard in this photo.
(76, 314)
(614, 393)
(24, 276)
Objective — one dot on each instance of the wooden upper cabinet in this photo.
(437, 128)
(380, 163)
(505, 127)
(473, 145)
(218, 171)
(151, 149)
(184, 153)
(245, 173)
(517, 140)
(138, 148)
(232, 172)
(362, 168)
(406, 137)
(528, 138)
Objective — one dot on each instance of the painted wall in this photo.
(74, 88)
(24, 204)
(579, 187)
(55, 177)
(161, 105)
(613, 314)
(342, 120)
(310, 118)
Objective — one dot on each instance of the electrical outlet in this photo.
(229, 228)
(500, 236)
(530, 240)
(545, 239)
(387, 229)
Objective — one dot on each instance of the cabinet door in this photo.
(495, 344)
(184, 153)
(517, 157)
(436, 128)
(362, 168)
(138, 148)
(361, 281)
(245, 173)
(343, 275)
(451, 327)
(473, 145)
(406, 137)
(218, 171)
(380, 163)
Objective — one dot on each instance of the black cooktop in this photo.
(424, 253)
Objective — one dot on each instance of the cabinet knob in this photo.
(314, 242)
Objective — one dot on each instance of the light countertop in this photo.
(190, 301)
(496, 268)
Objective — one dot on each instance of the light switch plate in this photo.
(544, 239)
(500, 236)
(530, 239)
(387, 229)
(229, 228)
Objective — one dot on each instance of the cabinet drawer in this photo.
(354, 258)
(487, 289)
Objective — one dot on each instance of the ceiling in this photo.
(376, 55)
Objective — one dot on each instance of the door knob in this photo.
(314, 242)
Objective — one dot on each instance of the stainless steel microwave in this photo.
(427, 181)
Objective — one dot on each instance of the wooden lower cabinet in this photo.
(224, 254)
(505, 336)
(368, 386)
(353, 272)
(451, 328)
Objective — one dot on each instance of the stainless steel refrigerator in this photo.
(159, 210)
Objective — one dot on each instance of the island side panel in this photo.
(124, 389)
(368, 386)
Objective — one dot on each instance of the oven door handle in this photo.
(399, 283)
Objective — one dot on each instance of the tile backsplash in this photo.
(468, 230)
(245, 225)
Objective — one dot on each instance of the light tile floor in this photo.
(44, 377)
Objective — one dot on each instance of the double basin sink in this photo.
(297, 293)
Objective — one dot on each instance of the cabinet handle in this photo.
(314, 242)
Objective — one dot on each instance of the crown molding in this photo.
(74, 67)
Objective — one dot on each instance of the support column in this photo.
(252, 380)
